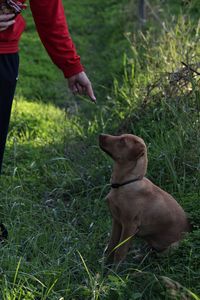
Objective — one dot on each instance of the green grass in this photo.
(56, 178)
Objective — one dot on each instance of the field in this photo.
(146, 80)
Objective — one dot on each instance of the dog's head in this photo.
(128, 151)
(123, 148)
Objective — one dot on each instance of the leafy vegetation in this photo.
(56, 178)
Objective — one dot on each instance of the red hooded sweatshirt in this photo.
(52, 27)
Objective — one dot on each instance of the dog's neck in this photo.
(130, 170)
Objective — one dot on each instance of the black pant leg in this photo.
(9, 64)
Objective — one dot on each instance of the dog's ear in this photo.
(137, 151)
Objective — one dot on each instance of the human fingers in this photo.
(80, 89)
(89, 92)
(86, 84)
(80, 83)
(72, 85)
(6, 17)
(74, 89)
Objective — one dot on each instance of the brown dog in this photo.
(138, 207)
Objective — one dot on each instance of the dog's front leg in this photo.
(114, 240)
(128, 231)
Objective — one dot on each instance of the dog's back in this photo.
(163, 220)
(160, 220)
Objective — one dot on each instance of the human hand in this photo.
(6, 20)
(80, 84)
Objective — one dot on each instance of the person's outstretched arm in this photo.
(52, 27)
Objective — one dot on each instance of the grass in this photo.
(56, 178)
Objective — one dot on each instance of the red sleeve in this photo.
(52, 27)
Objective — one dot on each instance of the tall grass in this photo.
(159, 100)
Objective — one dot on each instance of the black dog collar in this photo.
(118, 185)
